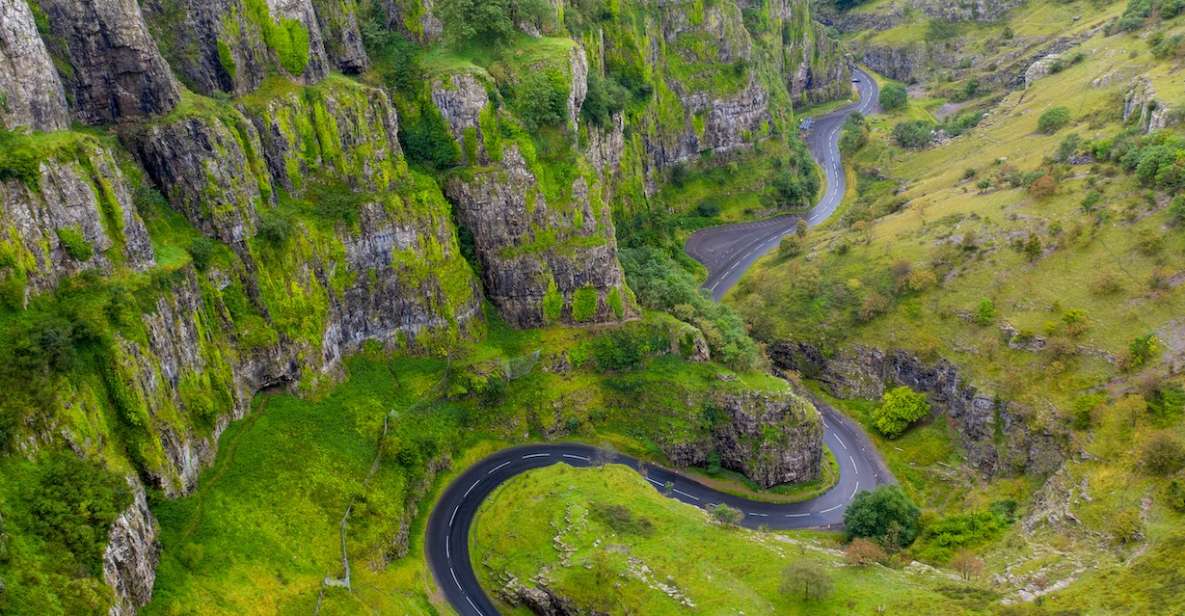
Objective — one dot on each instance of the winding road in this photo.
(727, 252)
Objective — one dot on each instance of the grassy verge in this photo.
(731, 482)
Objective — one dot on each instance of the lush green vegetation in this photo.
(607, 540)
(900, 407)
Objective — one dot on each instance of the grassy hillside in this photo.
(1042, 256)
(605, 539)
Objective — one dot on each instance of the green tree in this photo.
(886, 515)
(1053, 120)
(491, 22)
(893, 97)
(914, 134)
(899, 408)
(985, 312)
(1162, 455)
(806, 580)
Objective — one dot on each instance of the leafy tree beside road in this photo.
(885, 515)
(899, 408)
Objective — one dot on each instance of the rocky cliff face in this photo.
(541, 260)
(772, 438)
(77, 216)
(116, 71)
(999, 437)
(1141, 108)
(343, 39)
(30, 90)
(129, 562)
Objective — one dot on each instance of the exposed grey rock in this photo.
(900, 63)
(216, 46)
(131, 555)
(531, 250)
(31, 94)
(207, 165)
(1040, 68)
(117, 71)
(68, 198)
(343, 39)
(461, 100)
(541, 599)
(1053, 505)
(997, 435)
(815, 70)
(770, 438)
(578, 70)
(967, 10)
(1140, 107)
(414, 18)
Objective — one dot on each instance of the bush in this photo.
(899, 408)
(541, 99)
(1162, 455)
(622, 349)
(491, 22)
(726, 515)
(621, 519)
(1053, 120)
(914, 134)
(75, 244)
(274, 228)
(885, 515)
(790, 246)
(944, 537)
(855, 134)
(605, 97)
(893, 97)
(862, 552)
(985, 313)
(18, 159)
(72, 504)
(806, 580)
(584, 304)
(201, 250)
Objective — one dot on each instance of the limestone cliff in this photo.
(115, 69)
(30, 90)
(770, 437)
(999, 438)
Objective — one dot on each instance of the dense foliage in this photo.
(886, 515)
(913, 134)
(899, 408)
(489, 22)
(893, 97)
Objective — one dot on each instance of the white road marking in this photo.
(447, 553)
(854, 490)
(841, 443)
(831, 509)
(499, 467)
(470, 489)
(654, 482)
(853, 461)
(535, 455)
(568, 455)
(453, 517)
(687, 495)
(797, 515)
(473, 605)
(455, 580)
(760, 515)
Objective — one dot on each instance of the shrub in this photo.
(790, 246)
(944, 537)
(967, 564)
(885, 515)
(1175, 495)
(1126, 526)
(622, 519)
(584, 304)
(622, 349)
(492, 22)
(806, 580)
(854, 135)
(274, 228)
(1053, 120)
(75, 244)
(201, 249)
(862, 552)
(1141, 351)
(605, 97)
(541, 99)
(18, 159)
(985, 313)
(913, 134)
(899, 408)
(893, 97)
(1162, 455)
(728, 516)
(72, 503)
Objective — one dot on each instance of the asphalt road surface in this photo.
(447, 542)
(728, 251)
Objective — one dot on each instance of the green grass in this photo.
(546, 522)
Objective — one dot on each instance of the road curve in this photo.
(729, 250)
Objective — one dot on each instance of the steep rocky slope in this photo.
(240, 216)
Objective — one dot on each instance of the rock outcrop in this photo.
(78, 216)
(233, 45)
(207, 162)
(999, 437)
(541, 261)
(1142, 109)
(343, 38)
(771, 438)
(31, 94)
(461, 99)
(116, 71)
(131, 556)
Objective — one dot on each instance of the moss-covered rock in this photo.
(30, 89)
